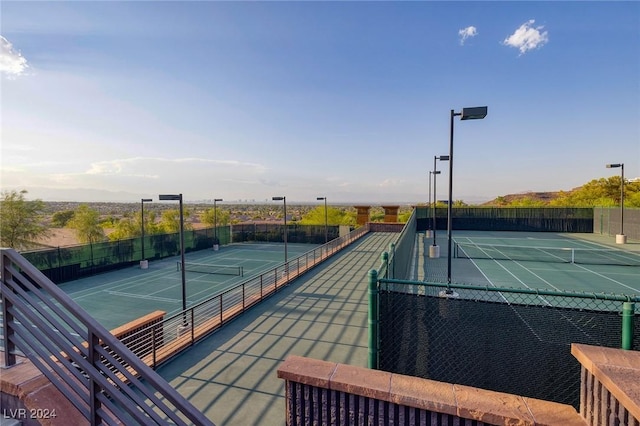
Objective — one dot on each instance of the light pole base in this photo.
(144, 264)
(428, 233)
(621, 239)
(182, 330)
(434, 252)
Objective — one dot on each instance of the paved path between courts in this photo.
(231, 376)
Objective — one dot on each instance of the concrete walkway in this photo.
(231, 376)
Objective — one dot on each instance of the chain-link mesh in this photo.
(402, 249)
(606, 221)
(69, 263)
(274, 232)
(503, 340)
(550, 219)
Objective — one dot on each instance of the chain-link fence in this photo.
(507, 340)
(62, 264)
(274, 232)
(549, 219)
(607, 220)
(396, 264)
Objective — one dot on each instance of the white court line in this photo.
(507, 301)
(585, 269)
(607, 278)
(143, 296)
(125, 282)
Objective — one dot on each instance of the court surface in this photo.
(118, 297)
(547, 266)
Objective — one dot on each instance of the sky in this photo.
(244, 101)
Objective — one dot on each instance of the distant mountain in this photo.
(544, 197)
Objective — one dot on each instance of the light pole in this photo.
(326, 221)
(284, 199)
(621, 238)
(434, 251)
(474, 113)
(215, 223)
(429, 207)
(143, 263)
(178, 197)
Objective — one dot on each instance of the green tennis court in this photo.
(118, 297)
(550, 261)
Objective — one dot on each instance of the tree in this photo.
(86, 223)
(170, 221)
(20, 220)
(124, 229)
(211, 217)
(127, 227)
(527, 202)
(404, 216)
(60, 219)
(598, 192)
(334, 216)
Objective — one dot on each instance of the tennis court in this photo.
(550, 261)
(118, 297)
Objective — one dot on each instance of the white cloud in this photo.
(391, 183)
(12, 63)
(527, 37)
(466, 33)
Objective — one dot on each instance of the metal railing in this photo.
(161, 341)
(99, 375)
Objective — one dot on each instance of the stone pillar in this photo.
(391, 213)
(363, 214)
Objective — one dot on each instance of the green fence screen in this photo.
(548, 219)
(503, 340)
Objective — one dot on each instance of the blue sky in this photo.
(114, 101)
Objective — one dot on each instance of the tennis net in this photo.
(586, 256)
(204, 268)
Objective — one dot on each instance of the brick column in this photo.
(363, 214)
(391, 213)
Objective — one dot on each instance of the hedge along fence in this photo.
(547, 219)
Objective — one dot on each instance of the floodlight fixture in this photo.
(473, 113)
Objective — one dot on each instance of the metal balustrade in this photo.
(103, 379)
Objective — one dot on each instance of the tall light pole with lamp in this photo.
(427, 233)
(326, 219)
(178, 197)
(620, 238)
(474, 113)
(434, 250)
(215, 223)
(143, 261)
(284, 199)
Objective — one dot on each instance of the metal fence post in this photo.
(373, 319)
(385, 262)
(392, 250)
(628, 311)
